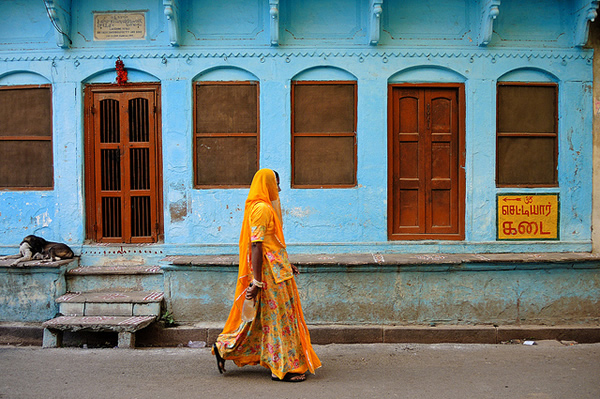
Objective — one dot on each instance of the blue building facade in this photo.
(372, 45)
(233, 86)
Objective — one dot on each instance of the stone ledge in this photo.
(204, 260)
(407, 262)
(20, 333)
(44, 264)
(157, 336)
(112, 297)
(99, 323)
(581, 334)
(126, 328)
(440, 334)
(114, 270)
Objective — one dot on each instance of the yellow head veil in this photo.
(263, 189)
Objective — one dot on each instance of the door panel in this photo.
(407, 152)
(425, 191)
(122, 172)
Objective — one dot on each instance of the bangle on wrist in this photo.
(257, 283)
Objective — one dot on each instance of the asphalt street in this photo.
(543, 371)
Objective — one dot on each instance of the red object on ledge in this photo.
(121, 72)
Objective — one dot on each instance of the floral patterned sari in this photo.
(277, 338)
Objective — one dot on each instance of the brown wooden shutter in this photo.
(26, 160)
(323, 134)
(424, 164)
(527, 118)
(226, 139)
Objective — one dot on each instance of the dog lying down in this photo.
(36, 248)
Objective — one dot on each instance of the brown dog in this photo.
(47, 249)
(34, 247)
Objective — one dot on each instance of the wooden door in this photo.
(122, 164)
(426, 179)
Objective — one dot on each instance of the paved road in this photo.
(547, 370)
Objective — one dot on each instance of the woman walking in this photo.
(277, 337)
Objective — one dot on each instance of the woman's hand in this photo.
(295, 270)
(252, 291)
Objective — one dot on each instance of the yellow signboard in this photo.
(528, 217)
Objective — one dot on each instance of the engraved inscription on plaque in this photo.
(120, 26)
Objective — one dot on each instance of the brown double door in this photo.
(426, 187)
(122, 164)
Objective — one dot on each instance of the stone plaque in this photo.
(120, 26)
(528, 217)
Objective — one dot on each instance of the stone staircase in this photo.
(119, 298)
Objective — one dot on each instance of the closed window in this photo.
(226, 133)
(527, 134)
(26, 137)
(323, 134)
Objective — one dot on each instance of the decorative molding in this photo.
(567, 55)
(375, 12)
(274, 18)
(172, 14)
(489, 11)
(586, 13)
(59, 12)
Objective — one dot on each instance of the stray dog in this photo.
(36, 248)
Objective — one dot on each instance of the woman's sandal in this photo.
(220, 360)
(290, 377)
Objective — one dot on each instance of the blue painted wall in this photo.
(420, 41)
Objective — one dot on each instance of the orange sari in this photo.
(278, 337)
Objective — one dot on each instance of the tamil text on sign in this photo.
(528, 217)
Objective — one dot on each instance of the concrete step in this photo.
(113, 303)
(126, 327)
(115, 277)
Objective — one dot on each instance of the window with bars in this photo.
(26, 137)
(323, 134)
(527, 134)
(226, 133)
(122, 157)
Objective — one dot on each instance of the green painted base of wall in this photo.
(346, 291)
(28, 291)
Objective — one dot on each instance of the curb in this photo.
(30, 334)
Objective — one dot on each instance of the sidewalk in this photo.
(417, 371)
